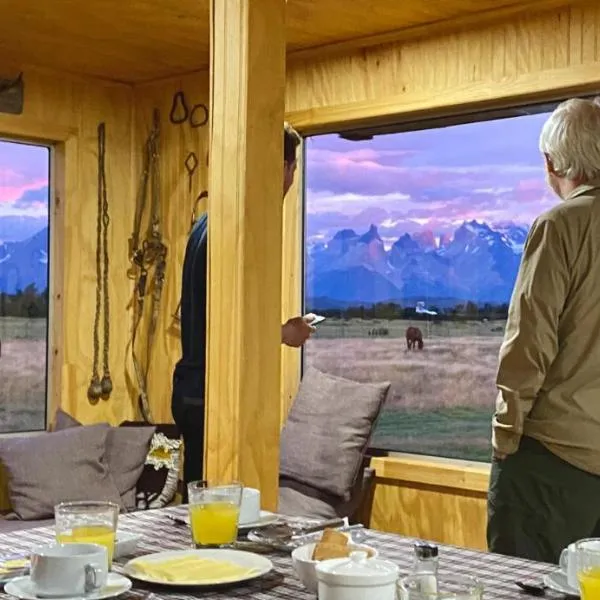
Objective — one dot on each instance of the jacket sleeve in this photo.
(531, 339)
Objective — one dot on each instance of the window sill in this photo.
(433, 471)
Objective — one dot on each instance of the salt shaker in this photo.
(426, 566)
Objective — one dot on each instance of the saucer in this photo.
(21, 587)
(266, 518)
(557, 581)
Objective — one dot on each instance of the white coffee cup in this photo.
(568, 565)
(568, 559)
(62, 570)
(250, 506)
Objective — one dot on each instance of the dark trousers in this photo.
(538, 504)
(188, 413)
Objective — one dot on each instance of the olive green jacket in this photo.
(549, 371)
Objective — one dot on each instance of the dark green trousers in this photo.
(538, 504)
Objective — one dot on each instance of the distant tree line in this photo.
(389, 311)
(27, 303)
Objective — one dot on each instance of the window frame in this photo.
(62, 145)
(398, 124)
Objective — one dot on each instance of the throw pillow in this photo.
(63, 420)
(56, 467)
(159, 480)
(328, 429)
(126, 453)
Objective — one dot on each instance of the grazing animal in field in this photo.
(414, 338)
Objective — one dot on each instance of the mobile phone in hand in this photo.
(318, 319)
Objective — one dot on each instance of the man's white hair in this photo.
(571, 139)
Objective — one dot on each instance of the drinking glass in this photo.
(587, 558)
(88, 523)
(214, 513)
(448, 587)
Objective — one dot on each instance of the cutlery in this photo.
(537, 588)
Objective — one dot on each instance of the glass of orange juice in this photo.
(587, 557)
(87, 522)
(214, 513)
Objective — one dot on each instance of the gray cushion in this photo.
(126, 451)
(49, 468)
(293, 503)
(63, 420)
(11, 523)
(328, 430)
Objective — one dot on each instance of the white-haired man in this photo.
(545, 481)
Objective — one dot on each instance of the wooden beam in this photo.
(462, 22)
(245, 237)
(433, 471)
(292, 273)
(540, 86)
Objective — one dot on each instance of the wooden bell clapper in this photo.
(101, 388)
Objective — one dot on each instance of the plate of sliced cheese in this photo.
(198, 567)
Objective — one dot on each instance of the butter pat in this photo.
(192, 569)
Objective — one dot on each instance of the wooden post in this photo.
(245, 243)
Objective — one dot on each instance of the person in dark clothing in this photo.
(187, 403)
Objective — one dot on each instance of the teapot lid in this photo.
(357, 570)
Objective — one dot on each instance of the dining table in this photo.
(162, 529)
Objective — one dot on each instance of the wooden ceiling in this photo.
(140, 40)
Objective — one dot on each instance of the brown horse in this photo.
(414, 338)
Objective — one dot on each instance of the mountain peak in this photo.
(372, 234)
(344, 234)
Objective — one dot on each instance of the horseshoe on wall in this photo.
(204, 119)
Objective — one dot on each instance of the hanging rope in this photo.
(151, 256)
(101, 388)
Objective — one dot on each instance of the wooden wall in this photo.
(524, 57)
(177, 203)
(62, 108)
(478, 62)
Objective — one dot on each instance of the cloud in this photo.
(33, 198)
(24, 171)
(431, 179)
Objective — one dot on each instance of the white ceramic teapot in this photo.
(357, 577)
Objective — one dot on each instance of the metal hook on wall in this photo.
(178, 102)
(204, 119)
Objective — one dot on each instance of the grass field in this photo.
(22, 374)
(442, 397)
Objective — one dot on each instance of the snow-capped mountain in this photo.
(24, 263)
(476, 262)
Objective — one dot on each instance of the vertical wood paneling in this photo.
(55, 102)
(177, 203)
(487, 55)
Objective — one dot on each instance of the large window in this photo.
(420, 234)
(24, 233)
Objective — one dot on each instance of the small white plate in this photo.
(261, 565)
(266, 518)
(21, 587)
(557, 581)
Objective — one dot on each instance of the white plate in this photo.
(266, 518)
(245, 559)
(21, 587)
(557, 581)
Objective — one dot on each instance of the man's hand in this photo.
(296, 331)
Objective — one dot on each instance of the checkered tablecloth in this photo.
(497, 573)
